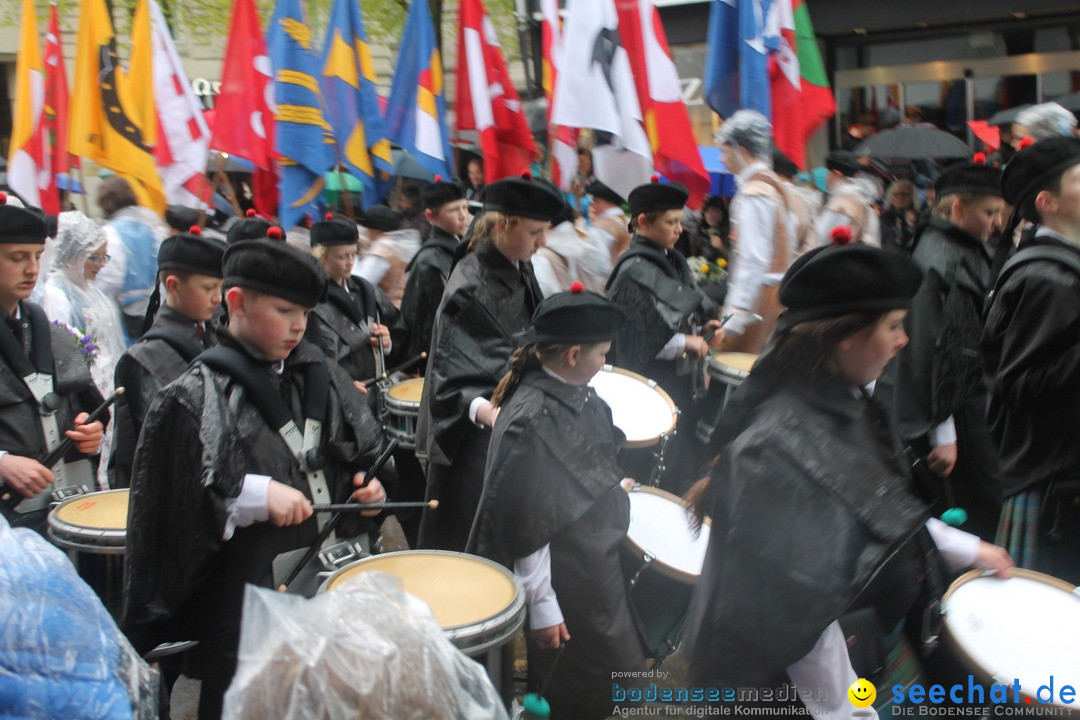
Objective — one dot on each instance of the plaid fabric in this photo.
(902, 667)
(1018, 529)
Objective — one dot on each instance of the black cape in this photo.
(811, 499)
(486, 303)
(428, 272)
(146, 367)
(202, 435)
(552, 478)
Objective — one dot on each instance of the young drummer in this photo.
(189, 267)
(223, 483)
(553, 508)
(356, 317)
(448, 211)
(46, 391)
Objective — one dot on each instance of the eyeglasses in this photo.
(99, 259)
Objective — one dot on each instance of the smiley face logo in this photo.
(862, 693)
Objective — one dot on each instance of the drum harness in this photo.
(304, 447)
(39, 379)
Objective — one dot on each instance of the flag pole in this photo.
(85, 190)
(221, 178)
(345, 191)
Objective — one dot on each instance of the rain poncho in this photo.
(365, 650)
(74, 300)
(62, 654)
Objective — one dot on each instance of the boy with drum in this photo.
(1031, 356)
(189, 267)
(46, 392)
(224, 475)
(553, 508)
(670, 320)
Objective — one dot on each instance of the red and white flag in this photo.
(562, 140)
(486, 99)
(56, 113)
(244, 109)
(667, 124)
(183, 138)
(28, 172)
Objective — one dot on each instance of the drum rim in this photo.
(400, 402)
(652, 385)
(70, 536)
(970, 575)
(504, 616)
(742, 374)
(661, 566)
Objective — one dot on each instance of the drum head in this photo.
(1026, 628)
(462, 590)
(731, 367)
(639, 407)
(92, 520)
(660, 526)
(408, 391)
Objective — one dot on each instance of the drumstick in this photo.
(351, 507)
(332, 522)
(65, 445)
(403, 366)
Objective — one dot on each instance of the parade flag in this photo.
(800, 88)
(102, 126)
(183, 136)
(352, 105)
(416, 111)
(28, 171)
(244, 108)
(597, 91)
(736, 62)
(667, 124)
(486, 99)
(562, 140)
(302, 137)
(140, 76)
(56, 108)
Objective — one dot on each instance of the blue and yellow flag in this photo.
(348, 85)
(416, 112)
(303, 139)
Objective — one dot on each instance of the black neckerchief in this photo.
(41, 357)
(345, 302)
(438, 240)
(670, 261)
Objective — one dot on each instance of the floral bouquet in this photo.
(87, 342)
(707, 272)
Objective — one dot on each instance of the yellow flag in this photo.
(103, 125)
(137, 93)
(28, 155)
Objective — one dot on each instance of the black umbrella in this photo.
(407, 166)
(1007, 117)
(914, 142)
(1070, 102)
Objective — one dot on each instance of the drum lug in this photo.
(341, 554)
(931, 623)
(646, 560)
(63, 494)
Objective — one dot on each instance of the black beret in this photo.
(523, 198)
(438, 193)
(783, 165)
(334, 231)
(1035, 166)
(657, 196)
(251, 228)
(191, 252)
(832, 281)
(574, 317)
(276, 269)
(21, 226)
(969, 178)
(599, 190)
(380, 217)
(843, 161)
(181, 217)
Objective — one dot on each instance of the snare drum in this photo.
(478, 603)
(402, 405)
(644, 413)
(1026, 628)
(93, 528)
(663, 559)
(728, 370)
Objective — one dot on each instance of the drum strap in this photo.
(303, 447)
(38, 378)
(185, 347)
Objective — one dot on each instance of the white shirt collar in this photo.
(554, 374)
(1044, 231)
(750, 171)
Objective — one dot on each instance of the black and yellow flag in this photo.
(105, 123)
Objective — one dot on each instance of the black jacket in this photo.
(1031, 356)
(202, 435)
(428, 272)
(146, 367)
